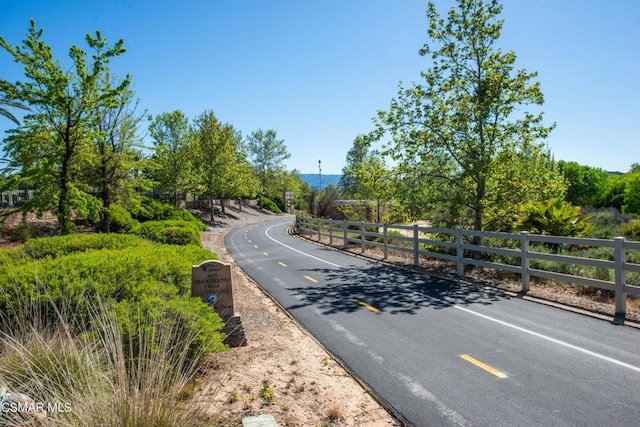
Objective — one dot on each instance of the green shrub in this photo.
(171, 232)
(64, 245)
(606, 223)
(632, 230)
(26, 232)
(121, 220)
(139, 279)
(269, 205)
(154, 210)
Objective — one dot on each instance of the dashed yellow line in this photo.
(484, 366)
(265, 254)
(255, 246)
(364, 304)
(311, 279)
(248, 241)
(282, 263)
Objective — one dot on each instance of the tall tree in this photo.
(268, 154)
(60, 129)
(357, 154)
(171, 162)
(375, 182)
(114, 157)
(468, 109)
(221, 162)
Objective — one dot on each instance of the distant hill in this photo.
(313, 179)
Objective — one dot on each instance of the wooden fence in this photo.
(512, 252)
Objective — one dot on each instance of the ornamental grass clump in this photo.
(99, 378)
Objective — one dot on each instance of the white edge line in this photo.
(544, 337)
(266, 232)
(493, 319)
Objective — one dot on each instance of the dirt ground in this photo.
(281, 371)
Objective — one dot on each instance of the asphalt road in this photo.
(442, 352)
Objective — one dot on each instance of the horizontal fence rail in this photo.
(518, 253)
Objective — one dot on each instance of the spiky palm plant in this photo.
(556, 218)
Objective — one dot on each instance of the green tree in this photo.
(375, 182)
(468, 109)
(357, 154)
(112, 163)
(170, 163)
(632, 194)
(51, 143)
(244, 182)
(6, 102)
(518, 177)
(221, 162)
(587, 185)
(268, 154)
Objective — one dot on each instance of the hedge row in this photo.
(138, 279)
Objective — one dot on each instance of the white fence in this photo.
(453, 245)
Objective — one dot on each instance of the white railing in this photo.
(515, 255)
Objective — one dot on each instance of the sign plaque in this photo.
(211, 281)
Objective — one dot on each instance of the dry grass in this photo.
(91, 379)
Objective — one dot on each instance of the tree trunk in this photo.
(64, 207)
(222, 206)
(213, 212)
(478, 210)
(105, 195)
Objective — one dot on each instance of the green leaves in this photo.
(65, 103)
(556, 218)
(468, 109)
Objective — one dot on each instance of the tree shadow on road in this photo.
(388, 289)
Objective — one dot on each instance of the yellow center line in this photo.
(484, 366)
(265, 254)
(248, 241)
(255, 246)
(364, 304)
(311, 279)
(282, 263)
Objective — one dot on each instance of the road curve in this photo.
(442, 352)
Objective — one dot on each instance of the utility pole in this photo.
(319, 176)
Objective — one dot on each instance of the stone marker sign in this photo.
(211, 281)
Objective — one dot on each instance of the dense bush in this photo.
(65, 245)
(121, 220)
(137, 279)
(606, 223)
(632, 230)
(269, 205)
(154, 210)
(171, 232)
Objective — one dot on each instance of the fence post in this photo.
(385, 241)
(330, 232)
(319, 229)
(459, 253)
(416, 259)
(620, 277)
(524, 261)
(362, 248)
(344, 228)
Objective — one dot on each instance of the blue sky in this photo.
(317, 72)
